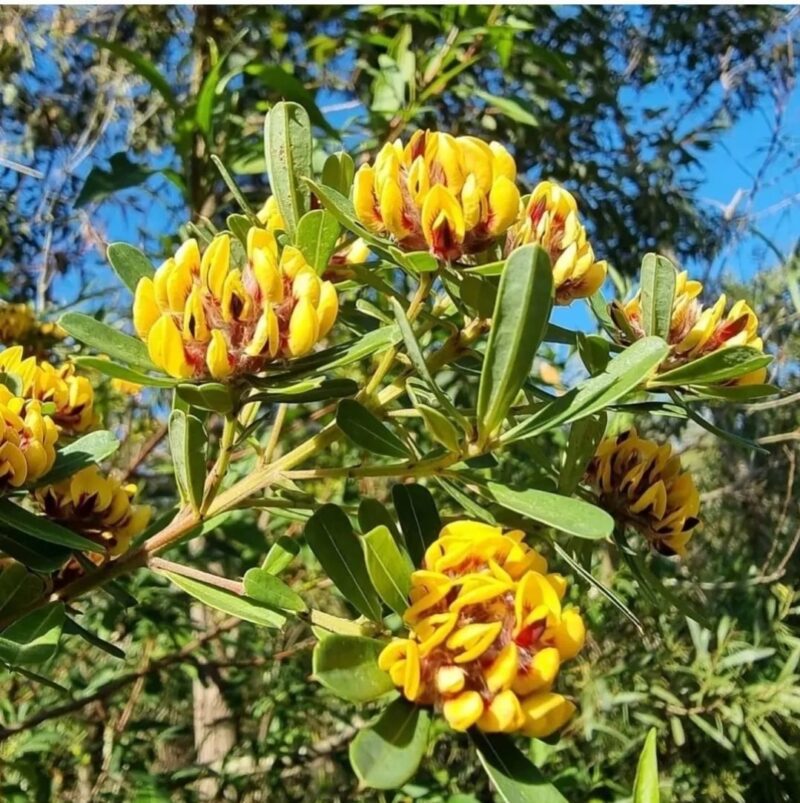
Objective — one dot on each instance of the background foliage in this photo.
(100, 143)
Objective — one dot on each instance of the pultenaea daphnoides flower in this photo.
(488, 634)
(27, 440)
(99, 508)
(71, 394)
(452, 196)
(550, 219)
(642, 485)
(696, 331)
(202, 316)
(18, 324)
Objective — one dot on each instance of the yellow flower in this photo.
(551, 220)
(27, 440)
(696, 331)
(202, 315)
(488, 633)
(97, 507)
(270, 215)
(642, 485)
(18, 324)
(453, 196)
(72, 395)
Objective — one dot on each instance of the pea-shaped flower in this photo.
(204, 315)
(488, 633)
(99, 508)
(642, 485)
(452, 196)
(696, 331)
(71, 394)
(551, 220)
(27, 440)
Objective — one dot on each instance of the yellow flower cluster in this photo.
(27, 440)
(201, 315)
(642, 485)
(696, 331)
(550, 219)
(99, 508)
(450, 195)
(488, 633)
(18, 324)
(72, 395)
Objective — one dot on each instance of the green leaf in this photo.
(571, 516)
(599, 308)
(142, 65)
(226, 601)
(121, 175)
(338, 172)
(719, 366)
(32, 552)
(465, 502)
(657, 294)
(280, 555)
(645, 787)
(72, 628)
(18, 587)
(317, 389)
(129, 263)
(337, 548)
(85, 451)
(731, 437)
(106, 340)
(388, 568)
(414, 353)
(22, 520)
(440, 428)
(287, 146)
(624, 373)
(240, 225)
(289, 87)
(387, 754)
(512, 774)
(204, 110)
(34, 638)
(117, 371)
(594, 351)
(732, 393)
(584, 437)
(418, 517)
(188, 443)
(372, 514)
(524, 301)
(415, 261)
(348, 666)
(364, 429)
(515, 109)
(317, 235)
(263, 586)
(212, 396)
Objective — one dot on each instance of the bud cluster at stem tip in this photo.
(204, 315)
(641, 483)
(488, 633)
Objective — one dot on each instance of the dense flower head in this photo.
(18, 324)
(450, 195)
(27, 440)
(204, 315)
(696, 331)
(641, 483)
(99, 508)
(488, 633)
(71, 394)
(550, 219)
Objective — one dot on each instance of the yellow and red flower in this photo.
(551, 220)
(452, 196)
(696, 331)
(202, 315)
(97, 507)
(642, 485)
(488, 634)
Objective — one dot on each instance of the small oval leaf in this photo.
(348, 666)
(365, 430)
